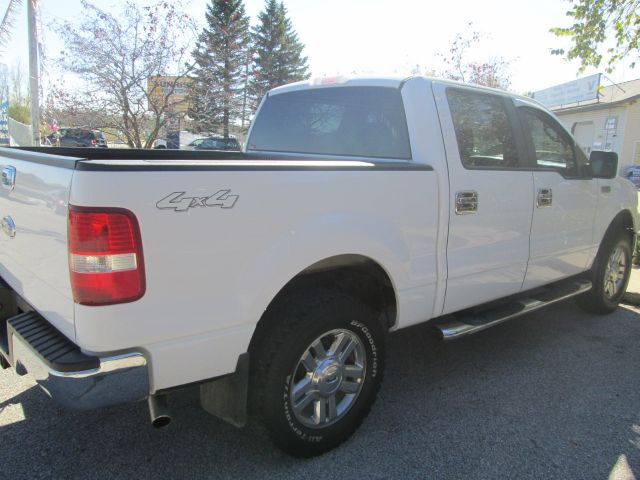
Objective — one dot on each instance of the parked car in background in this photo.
(214, 143)
(78, 137)
(633, 174)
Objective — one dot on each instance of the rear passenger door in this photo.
(491, 196)
(566, 200)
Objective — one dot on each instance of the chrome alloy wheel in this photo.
(328, 378)
(615, 272)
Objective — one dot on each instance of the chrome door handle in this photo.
(545, 197)
(466, 202)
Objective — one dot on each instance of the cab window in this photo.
(341, 121)
(483, 130)
(553, 147)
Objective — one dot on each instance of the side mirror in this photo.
(604, 164)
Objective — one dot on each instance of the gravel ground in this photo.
(555, 394)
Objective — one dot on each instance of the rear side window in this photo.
(483, 130)
(210, 143)
(350, 121)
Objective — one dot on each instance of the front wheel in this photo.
(610, 276)
(318, 371)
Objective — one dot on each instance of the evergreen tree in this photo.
(277, 58)
(220, 56)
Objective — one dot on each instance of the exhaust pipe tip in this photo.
(159, 411)
(161, 422)
(436, 333)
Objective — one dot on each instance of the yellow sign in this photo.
(173, 90)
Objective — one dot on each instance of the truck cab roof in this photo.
(389, 82)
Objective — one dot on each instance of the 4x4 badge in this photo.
(178, 202)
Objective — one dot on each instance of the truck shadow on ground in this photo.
(553, 394)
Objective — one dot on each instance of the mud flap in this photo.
(226, 397)
(8, 309)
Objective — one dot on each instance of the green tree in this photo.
(277, 58)
(220, 56)
(20, 112)
(594, 23)
(19, 98)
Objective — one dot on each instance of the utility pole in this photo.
(246, 85)
(34, 89)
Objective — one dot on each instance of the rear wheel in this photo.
(317, 371)
(610, 275)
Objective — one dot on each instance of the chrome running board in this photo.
(467, 324)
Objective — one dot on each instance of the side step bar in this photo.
(468, 324)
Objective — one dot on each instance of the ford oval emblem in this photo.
(9, 226)
(9, 178)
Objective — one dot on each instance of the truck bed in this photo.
(222, 232)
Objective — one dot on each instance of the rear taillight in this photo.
(105, 256)
(94, 142)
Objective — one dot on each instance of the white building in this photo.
(611, 122)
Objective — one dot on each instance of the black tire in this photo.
(294, 325)
(599, 299)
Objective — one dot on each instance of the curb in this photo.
(631, 298)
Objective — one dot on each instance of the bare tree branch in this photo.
(8, 22)
(117, 54)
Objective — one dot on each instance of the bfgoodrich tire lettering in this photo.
(302, 351)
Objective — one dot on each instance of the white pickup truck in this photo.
(272, 277)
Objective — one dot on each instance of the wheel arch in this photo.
(623, 221)
(355, 274)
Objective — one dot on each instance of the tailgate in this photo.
(34, 195)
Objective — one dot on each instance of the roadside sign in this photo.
(175, 90)
(4, 124)
(571, 92)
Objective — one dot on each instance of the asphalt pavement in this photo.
(554, 394)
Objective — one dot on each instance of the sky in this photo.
(389, 37)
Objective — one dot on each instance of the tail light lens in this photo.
(105, 256)
(94, 142)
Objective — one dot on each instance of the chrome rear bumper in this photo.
(71, 378)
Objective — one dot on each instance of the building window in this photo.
(611, 124)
